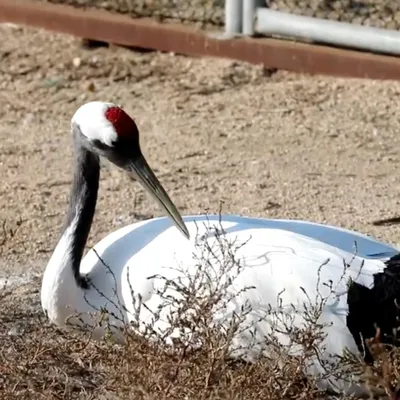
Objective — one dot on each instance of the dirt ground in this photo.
(273, 145)
(285, 145)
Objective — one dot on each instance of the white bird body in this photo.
(283, 263)
(279, 258)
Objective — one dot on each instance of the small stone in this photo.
(357, 20)
(94, 61)
(15, 331)
(76, 62)
(334, 15)
(90, 87)
(391, 25)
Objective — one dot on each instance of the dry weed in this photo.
(37, 360)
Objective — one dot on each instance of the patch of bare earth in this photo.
(271, 145)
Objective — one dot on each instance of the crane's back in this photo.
(284, 264)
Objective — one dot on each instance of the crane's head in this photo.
(108, 131)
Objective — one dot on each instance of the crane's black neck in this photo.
(82, 205)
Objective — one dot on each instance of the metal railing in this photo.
(376, 13)
(252, 17)
(363, 24)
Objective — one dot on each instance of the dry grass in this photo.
(45, 363)
(38, 360)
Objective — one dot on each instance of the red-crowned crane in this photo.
(281, 258)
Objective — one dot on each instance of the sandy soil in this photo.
(280, 145)
(272, 145)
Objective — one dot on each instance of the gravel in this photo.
(280, 145)
(210, 13)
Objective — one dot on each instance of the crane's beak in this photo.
(143, 173)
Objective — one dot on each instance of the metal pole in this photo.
(233, 17)
(249, 15)
(271, 22)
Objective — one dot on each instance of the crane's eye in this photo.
(99, 144)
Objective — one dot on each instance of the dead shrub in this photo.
(38, 360)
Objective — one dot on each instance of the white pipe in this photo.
(249, 15)
(271, 22)
(233, 16)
